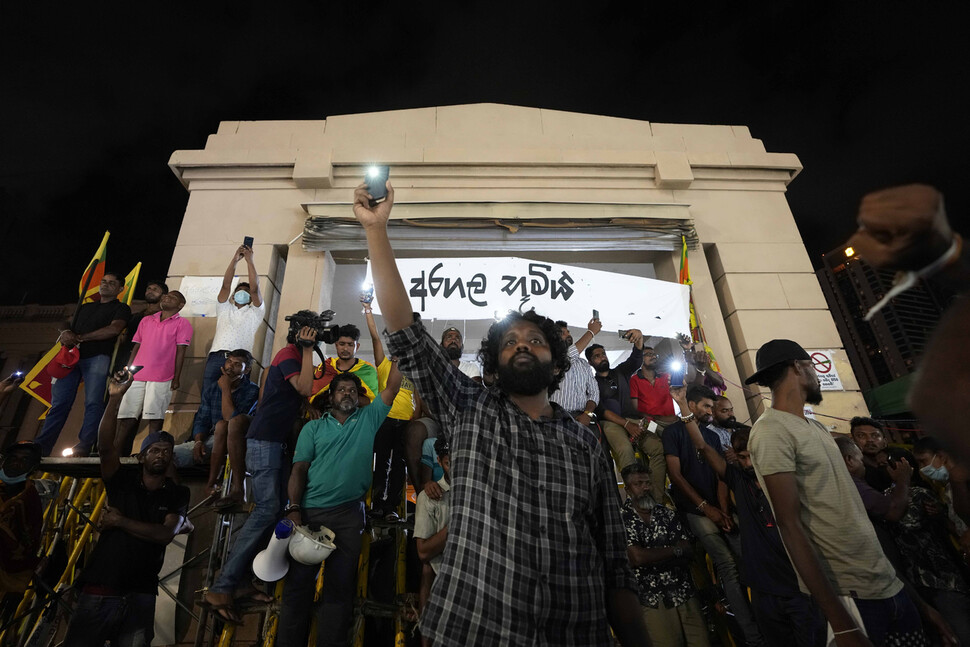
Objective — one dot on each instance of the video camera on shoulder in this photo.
(326, 332)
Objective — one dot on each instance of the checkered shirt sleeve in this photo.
(535, 539)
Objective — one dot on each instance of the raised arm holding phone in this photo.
(495, 506)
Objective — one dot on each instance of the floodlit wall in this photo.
(753, 280)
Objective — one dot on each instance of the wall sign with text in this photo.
(486, 288)
(828, 376)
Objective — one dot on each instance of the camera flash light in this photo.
(67, 452)
(373, 171)
(675, 366)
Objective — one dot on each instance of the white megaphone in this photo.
(271, 564)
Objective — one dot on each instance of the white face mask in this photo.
(241, 297)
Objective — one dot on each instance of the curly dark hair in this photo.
(489, 352)
(349, 330)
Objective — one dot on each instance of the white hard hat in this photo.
(311, 547)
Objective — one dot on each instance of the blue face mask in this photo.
(940, 474)
(12, 480)
(241, 297)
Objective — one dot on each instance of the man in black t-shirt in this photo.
(144, 512)
(785, 615)
(94, 332)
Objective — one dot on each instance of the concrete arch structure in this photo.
(753, 280)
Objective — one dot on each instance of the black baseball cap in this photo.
(448, 330)
(28, 446)
(773, 353)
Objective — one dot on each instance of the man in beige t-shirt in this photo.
(822, 520)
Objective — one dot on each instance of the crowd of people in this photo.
(814, 538)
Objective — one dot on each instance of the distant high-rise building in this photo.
(889, 346)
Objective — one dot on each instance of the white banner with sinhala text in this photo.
(486, 288)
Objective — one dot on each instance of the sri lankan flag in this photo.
(684, 268)
(90, 286)
(38, 382)
(696, 331)
(128, 292)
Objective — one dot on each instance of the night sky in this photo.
(97, 96)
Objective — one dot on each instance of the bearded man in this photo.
(536, 551)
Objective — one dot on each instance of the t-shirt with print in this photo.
(365, 372)
(160, 339)
(431, 516)
(280, 404)
(97, 315)
(831, 510)
(403, 406)
(666, 584)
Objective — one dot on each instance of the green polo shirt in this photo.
(341, 456)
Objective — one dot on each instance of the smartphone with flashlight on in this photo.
(133, 369)
(377, 183)
(677, 368)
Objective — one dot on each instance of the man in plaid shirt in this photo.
(536, 551)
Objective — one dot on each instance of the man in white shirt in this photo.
(578, 392)
(238, 318)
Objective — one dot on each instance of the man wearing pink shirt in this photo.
(160, 343)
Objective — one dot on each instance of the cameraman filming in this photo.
(288, 382)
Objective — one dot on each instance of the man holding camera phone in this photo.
(239, 312)
(536, 549)
(289, 381)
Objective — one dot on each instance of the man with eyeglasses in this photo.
(93, 332)
(145, 510)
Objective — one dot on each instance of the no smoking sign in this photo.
(828, 376)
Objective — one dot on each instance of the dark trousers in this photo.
(788, 619)
(389, 466)
(125, 620)
(954, 606)
(894, 618)
(335, 609)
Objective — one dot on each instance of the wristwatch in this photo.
(293, 507)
